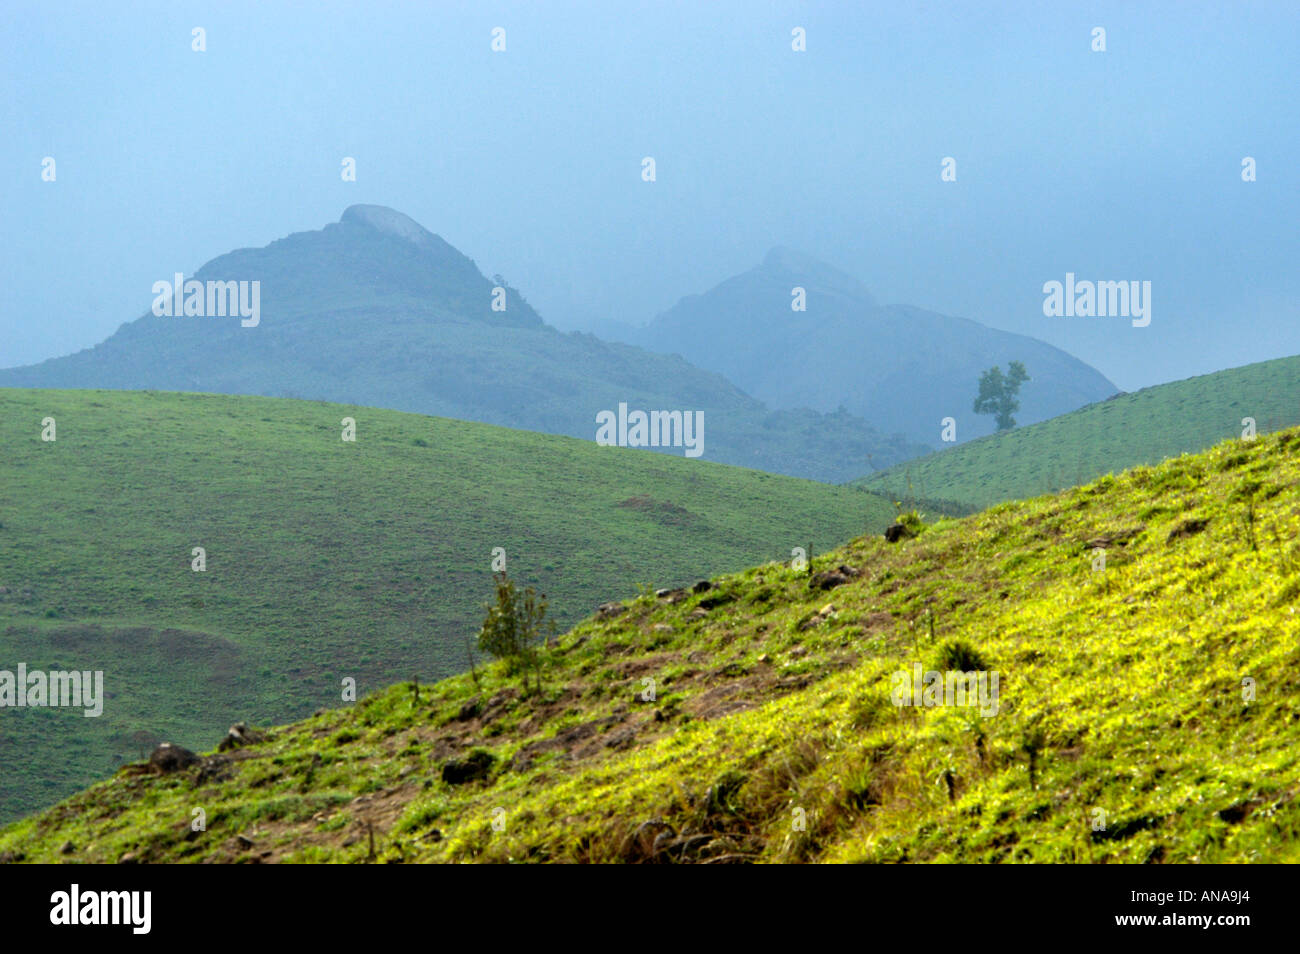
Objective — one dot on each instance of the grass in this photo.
(1144, 427)
(324, 559)
(1146, 711)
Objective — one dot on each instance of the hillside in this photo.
(1146, 711)
(901, 368)
(1144, 427)
(378, 311)
(324, 559)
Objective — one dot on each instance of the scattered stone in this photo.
(468, 710)
(239, 735)
(829, 579)
(169, 758)
(244, 841)
(610, 610)
(128, 858)
(661, 628)
(764, 658)
(67, 848)
(473, 768)
(817, 618)
(895, 532)
(702, 587)
(697, 613)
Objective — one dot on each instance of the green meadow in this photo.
(1143, 427)
(325, 559)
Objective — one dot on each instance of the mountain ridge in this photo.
(376, 310)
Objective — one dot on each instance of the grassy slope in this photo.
(325, 559)
(773, 697)
(1144, 427)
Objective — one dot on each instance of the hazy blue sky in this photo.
(1117, 165)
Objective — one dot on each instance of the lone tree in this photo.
(513, 627)
(998, 394)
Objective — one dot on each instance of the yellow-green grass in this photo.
(1157, 697)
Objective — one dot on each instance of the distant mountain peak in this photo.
(815, 273)
(389, 221)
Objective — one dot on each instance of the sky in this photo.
(1119, 165)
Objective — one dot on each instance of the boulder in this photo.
(169, 758)
(472, 768)
(610, 610)
(238, 735)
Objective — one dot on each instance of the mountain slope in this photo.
(1139, 428)
(901, 368)
(376, 310)
(1146, 711)
(324, 559)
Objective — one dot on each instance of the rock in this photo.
(244, 841)
(672, 596)
(238, 735)
(829, 579)
(169, 758)
(467, 711)
(764, 658)
(661, 628)
(895, 532)
(128, 858)
(67, 848)
(610, 610)
(697, 613)
(473, 768)
(702, 587)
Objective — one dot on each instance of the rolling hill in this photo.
(378, 311)
(901, 368)
(324, 559)
(1143, 427)
(1145, 711)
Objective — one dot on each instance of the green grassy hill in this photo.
(1146, 711)
(1144, 427)
(325, 559)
